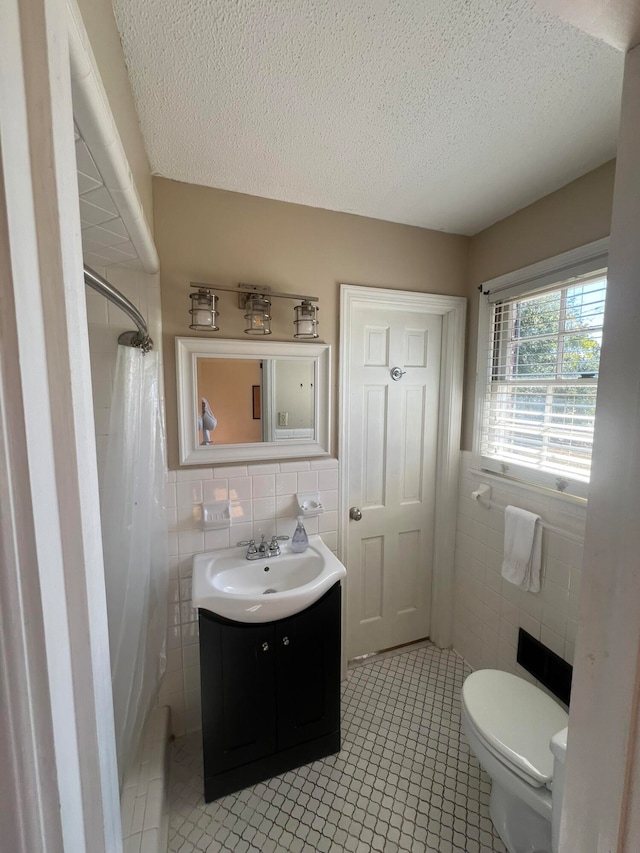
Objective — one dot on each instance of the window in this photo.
(541, 354)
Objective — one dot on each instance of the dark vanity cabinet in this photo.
(270, 694)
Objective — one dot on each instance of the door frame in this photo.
(452, 309)
(268, 399)
(60, 790)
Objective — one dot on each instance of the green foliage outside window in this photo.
(554, 337)
(546, 357)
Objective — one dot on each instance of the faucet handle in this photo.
(251, 550)
(274, 548)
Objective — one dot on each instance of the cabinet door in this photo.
(308, 672)
(237, 671)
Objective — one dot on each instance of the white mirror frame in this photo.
(188, 350)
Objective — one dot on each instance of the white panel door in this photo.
(392, 433)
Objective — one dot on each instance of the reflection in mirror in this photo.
(293, 386)
(226, 385)
(294, 399)
(240, 400)
(207, 421)
(230, 394)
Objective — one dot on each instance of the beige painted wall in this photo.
(204, 234)
(100, 24)
(577, 214)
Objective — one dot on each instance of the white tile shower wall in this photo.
(143, 798)
(488, 609)
(263, 501)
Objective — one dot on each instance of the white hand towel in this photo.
(522, 548)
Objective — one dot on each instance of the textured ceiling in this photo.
(448, 114)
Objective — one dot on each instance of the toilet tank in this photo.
(558, 747)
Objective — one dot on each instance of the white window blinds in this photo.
(542, 352)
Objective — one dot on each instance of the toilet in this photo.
(509, 725)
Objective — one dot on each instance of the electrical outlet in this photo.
(283, 419)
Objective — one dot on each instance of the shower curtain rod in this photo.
(141, 338)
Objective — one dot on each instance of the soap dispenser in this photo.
(299, 540)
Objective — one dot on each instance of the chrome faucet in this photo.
(262, 551)
(263, 548)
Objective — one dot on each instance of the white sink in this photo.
(228, 584)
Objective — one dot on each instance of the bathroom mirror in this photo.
(243, 401)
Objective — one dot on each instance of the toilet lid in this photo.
(515, 718)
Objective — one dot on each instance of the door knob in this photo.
(355, 514)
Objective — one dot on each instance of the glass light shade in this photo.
(257, 316)
(306, 321)
(204, 312)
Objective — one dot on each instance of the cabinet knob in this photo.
(285, 641)
(265, 647)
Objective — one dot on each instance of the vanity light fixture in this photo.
(306, 321)
(255, 300)
(257, 316)
(204, 311)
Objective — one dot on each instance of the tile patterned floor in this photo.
(404, 779)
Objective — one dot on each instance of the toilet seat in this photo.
(515, 720)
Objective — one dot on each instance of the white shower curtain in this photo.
(134, 537)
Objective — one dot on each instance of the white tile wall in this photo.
(488, 609)
(105, 239)
(143, 800)
(262, 502)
